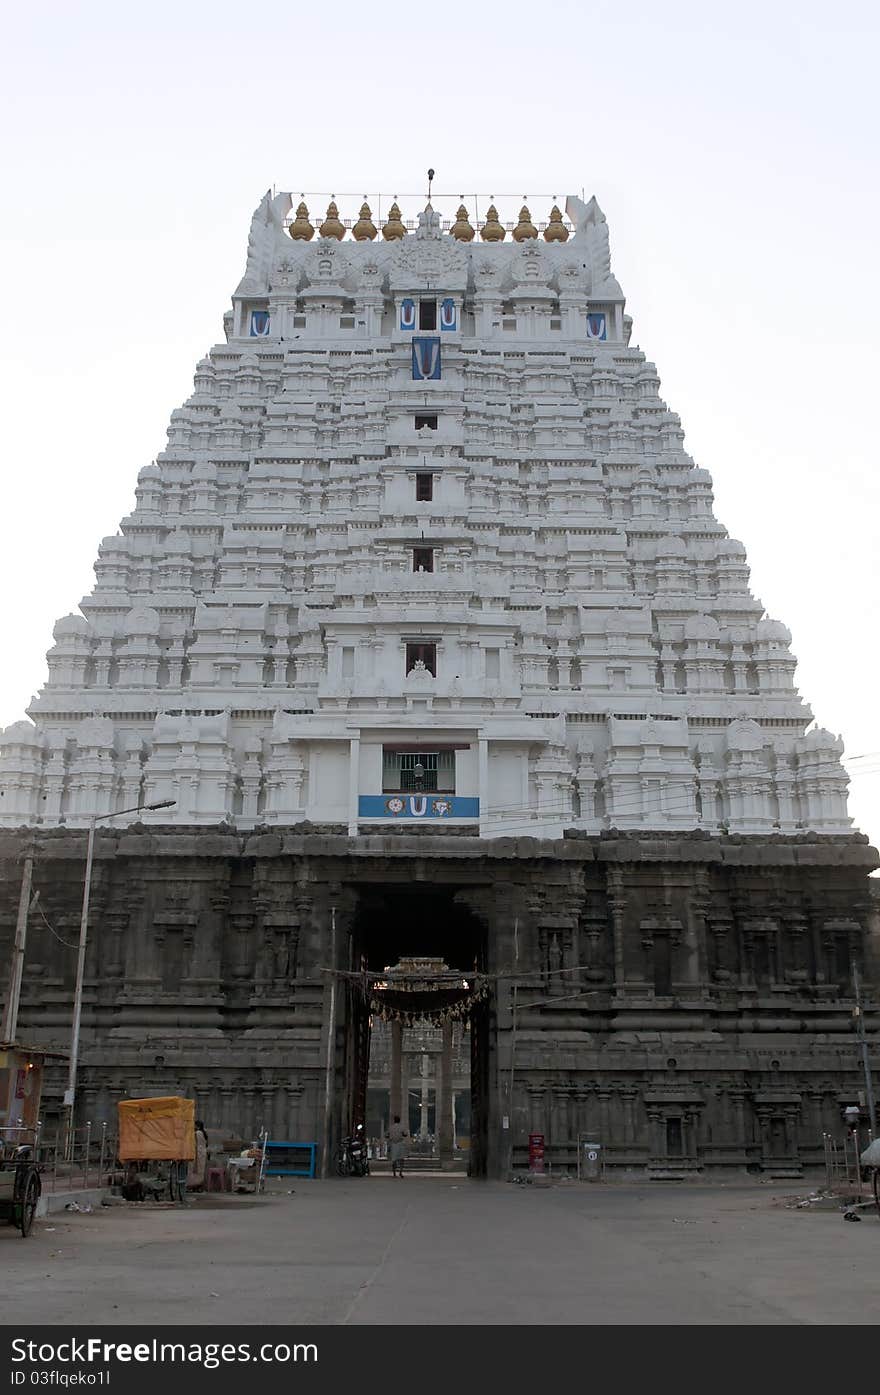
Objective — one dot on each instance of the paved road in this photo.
(376, 1250)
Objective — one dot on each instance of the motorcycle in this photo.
(352, 1160)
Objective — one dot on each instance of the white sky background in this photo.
(733, 152)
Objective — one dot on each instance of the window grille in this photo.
(399, 771)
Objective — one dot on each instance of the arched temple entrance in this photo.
(417, 1021)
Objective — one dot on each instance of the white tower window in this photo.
(427, 314)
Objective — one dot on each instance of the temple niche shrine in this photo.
(424, 624)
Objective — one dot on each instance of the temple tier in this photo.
(424, 622)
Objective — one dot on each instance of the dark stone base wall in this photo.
(687, 1002)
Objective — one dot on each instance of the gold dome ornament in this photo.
(555, 231)
(331, 226)
(461, 228)
(492, 231)
(301, 229)
(394, 227)
(525, 228)
(364, 229)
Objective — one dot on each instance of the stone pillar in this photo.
(617, 902)
(697, 957)
(817, 1113)
(228, 1121)
(444, 1097)
(604, 1097)
(582, 1098)
(266, 1108)
(628, 1099)
(89, 1112)
(689, 1141)
(738, 1121)
(294, 1096)
(655, 1126)
(763, 1114)
(354, 761)
(397, 1073)
(483, 780)
(247, 1112)
(423, 1103)
(536, 1108)
(557, 1120)
(792, 1140)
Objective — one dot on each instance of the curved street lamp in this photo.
(70, 1092)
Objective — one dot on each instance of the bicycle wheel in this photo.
(342, 1165)
(27, 1208)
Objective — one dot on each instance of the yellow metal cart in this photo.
(160, 1130)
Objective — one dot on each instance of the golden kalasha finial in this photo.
(461, 228)
(492, 231)
(394, 227)
(364, 229)
(525, 228)
(301, 229)
(331, 226)
(555, 231)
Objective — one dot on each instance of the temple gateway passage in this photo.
(424, 622)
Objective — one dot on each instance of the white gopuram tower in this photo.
(425, 546)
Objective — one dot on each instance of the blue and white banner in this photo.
(407, 314)
(448, 319)
(417, 806)
(426, 359)
(259, 324)
(596, 326)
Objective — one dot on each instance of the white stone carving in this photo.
(416, 261)
(429, 224)
(600, 658)
(267, 230)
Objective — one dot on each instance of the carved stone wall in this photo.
(686, 1001)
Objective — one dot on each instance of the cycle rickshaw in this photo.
(21, 1081)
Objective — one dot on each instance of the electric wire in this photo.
(52, 931)
(625, 806)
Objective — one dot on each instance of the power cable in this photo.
(624, 805)
(50, 929)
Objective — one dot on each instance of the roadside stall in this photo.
(21, 1083)
(157, 1143)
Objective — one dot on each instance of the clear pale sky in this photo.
(733, 152)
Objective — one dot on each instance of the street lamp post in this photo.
(70, 1092)
(863, 1047)
(10, 1014)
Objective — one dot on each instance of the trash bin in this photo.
(591, 1162)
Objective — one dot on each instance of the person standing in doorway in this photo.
(397, 1135)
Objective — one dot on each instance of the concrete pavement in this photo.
(448, 1250)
